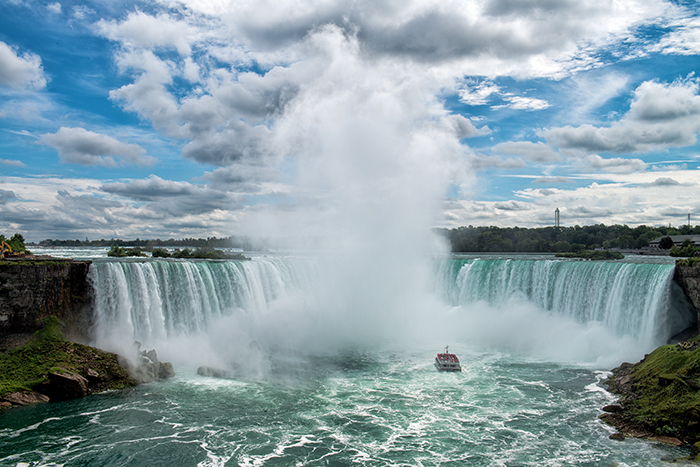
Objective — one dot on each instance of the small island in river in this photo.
(596, 255)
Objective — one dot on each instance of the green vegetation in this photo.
(14, 244)
(595, 255)
(688, 261)
(199, 253)
(557, 239)
(160, 253)
(666, 243)
(667, 388)
(26, 368)
(118, 252)
(209, 242)
(686, 250)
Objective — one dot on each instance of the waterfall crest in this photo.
(152, 300)
(627, 298)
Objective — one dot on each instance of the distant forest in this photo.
(209, 242)
(557, 239)
(463, 239)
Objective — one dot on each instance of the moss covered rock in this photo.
(46, 363)
(660, 395)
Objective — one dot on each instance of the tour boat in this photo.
(447, 361)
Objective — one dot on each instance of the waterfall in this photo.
(638, 300)
(146, 300)
(155, 300)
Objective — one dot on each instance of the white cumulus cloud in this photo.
(660, 116)
(20, 72)
(80, 146)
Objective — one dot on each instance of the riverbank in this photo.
(659, 397)
(44, 366)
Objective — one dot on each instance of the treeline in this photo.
(557, 239)
(209, 242)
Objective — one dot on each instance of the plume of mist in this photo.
(371, 152)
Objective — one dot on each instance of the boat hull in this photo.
(442, 365)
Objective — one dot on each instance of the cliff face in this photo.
(32, 290)
(688, 277)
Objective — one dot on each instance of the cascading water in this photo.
(630, 299)
(152, 300)
(155, 300)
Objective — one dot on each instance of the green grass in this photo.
(667, 384)
(27, 367)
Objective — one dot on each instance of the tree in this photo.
(666, 243)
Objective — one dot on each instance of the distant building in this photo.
(556, 217)
(677, 240)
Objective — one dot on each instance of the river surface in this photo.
(530, 392)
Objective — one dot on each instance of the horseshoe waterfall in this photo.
(153, 301)
(336, 369)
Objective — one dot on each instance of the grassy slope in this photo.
(668, 380)
(661, 394)
(27, 367)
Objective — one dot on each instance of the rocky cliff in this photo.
(688, 277)
(33, 289)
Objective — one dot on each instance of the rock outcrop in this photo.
(64, 384)
(658, 396)
(688, 277)
(145, 366)
(34, 288)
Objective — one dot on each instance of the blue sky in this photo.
(193, 118)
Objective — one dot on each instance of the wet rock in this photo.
(146, 367)
(151, 355)
(613, 408)
(24, 398)
(617, 436)
(64, 384)
(166, 370)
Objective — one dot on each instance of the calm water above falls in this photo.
(529, 393)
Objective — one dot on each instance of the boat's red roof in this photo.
(448, 356)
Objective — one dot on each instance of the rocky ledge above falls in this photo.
(688, 277)
(35, 287)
